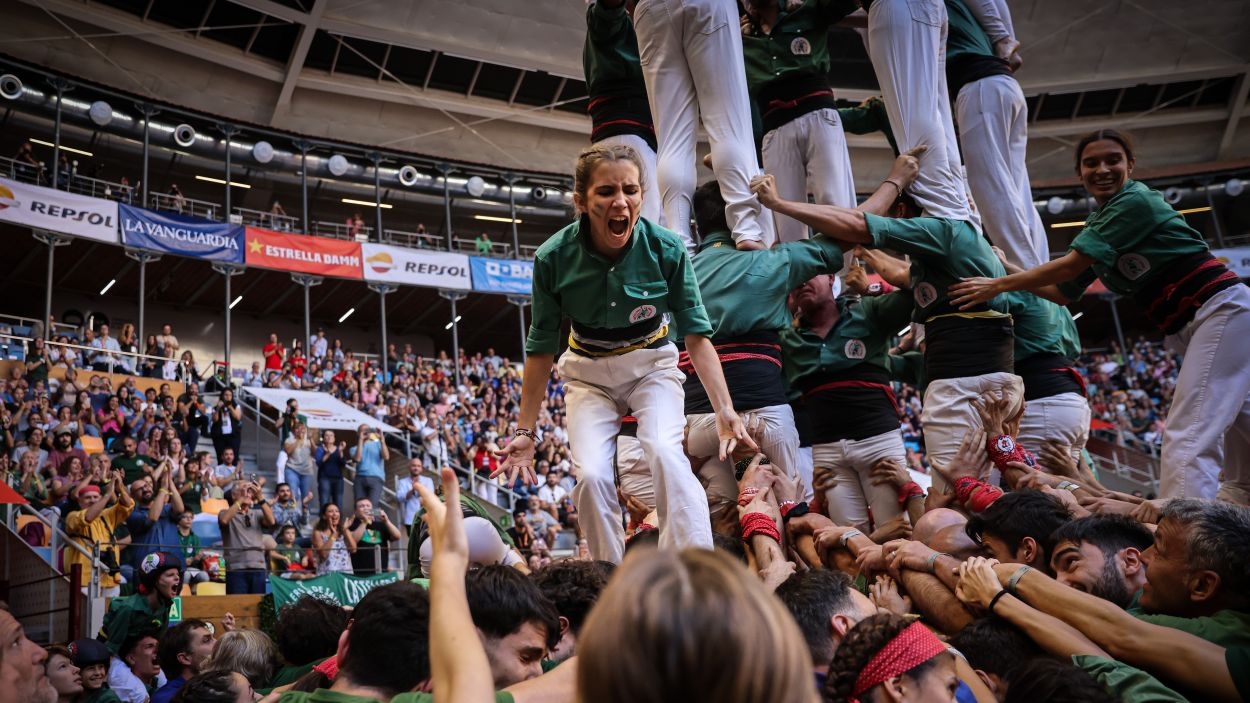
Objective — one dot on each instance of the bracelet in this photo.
(846, 537)
(522, 432)
(791, 509)
(930, 563)
(909, 490)
(1015, 578)
(758, 524)
(746, 495)
(897, 187)
(1068, 486)
(994, 600)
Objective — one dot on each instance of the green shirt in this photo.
(861, 335)
(134, 466)
(1126, 683)
(104, 694)
(942, 253)
(866, 119)
(1042, 327)
(323, 695)
(610, 55)
(127, 616)
(908, 367)
(651, 277)
(798, 44)
(745, 291)
(1238, 661)
(965, 36)
(1227, 628)
(1131, 238)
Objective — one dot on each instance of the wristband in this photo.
(897, 187)
(930, 563)
(758, 524)
(994, 600)
(522, 432)
(909, 490)
(791, 509)
(746, 495)
(846, 537)
(1015, 578)
(1003, 449)
(1068, 486)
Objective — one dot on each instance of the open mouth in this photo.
(618, 225)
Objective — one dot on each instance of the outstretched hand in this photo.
(517, 458)
(731, 430)
(972, 291)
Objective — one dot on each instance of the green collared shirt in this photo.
(652, 277)
(610, 54)
(798, 44)
(1131, 238)
(866, 119)
(1126, 683)
(745, 291)
(128, 615)
(942, 252)
(1042, 327)
(861, 335)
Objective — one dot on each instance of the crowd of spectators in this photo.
(1131, 393)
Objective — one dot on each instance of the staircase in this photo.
(50, 604)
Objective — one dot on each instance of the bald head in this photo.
(934, 521)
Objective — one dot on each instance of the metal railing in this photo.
(184, 205)
(414, 240)
(269, 220)
(469, 246)
(58, 541)
(113, 359)
(341, 230)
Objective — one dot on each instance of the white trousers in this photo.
(1062, 418)
(948, 416)
(775, 433)
(907, 45)
(691, 53)
(597, 393)
(808, 155)
(632, 471)
(807, 465)
(1208, 426)
(651, 203)
(853, 492)
(993, 129)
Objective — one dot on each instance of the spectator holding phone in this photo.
(331, 460)
(373, 531)
(371, 456)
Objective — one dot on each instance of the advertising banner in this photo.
(182, 235)
(502, 275)
(301, 253)
(337, 588)
(416, 267)
(57, 211)
(321, 410)
(1237, 260)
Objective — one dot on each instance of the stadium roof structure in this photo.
(499, 81)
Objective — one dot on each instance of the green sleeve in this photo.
(889, 312)
(544, 336)
(1126, 683)
(810, 258)
(116, 624)
(500, 697)
(868, 119)
(685, 303)
(603, 21)
(921, 236)
(1119, 227)
(832, 11)
(1074, 290)
(1208, 628)
(1237, 659)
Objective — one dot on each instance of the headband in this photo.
(89, 488)
(912, 647)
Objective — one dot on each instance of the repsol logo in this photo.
(68, 213)
(427, 269)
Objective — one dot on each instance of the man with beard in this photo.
(1102, 555)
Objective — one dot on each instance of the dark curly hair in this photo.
(858, 648)
(1051, 680)
(308, 630)
(573, 587)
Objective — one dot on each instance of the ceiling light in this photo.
(1078, 316)
(1190, 211)
(1234, 187)
(449, 324)
(108, 285)
(62, 147)
(219, 181)
(366, 203)
(347, 314)
(903, 331)
(236, 302)
(493, 218)
(1061, 225)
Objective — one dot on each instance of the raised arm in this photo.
(1039, 279)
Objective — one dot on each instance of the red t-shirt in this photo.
(273, 356)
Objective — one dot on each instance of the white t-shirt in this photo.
(551, 494)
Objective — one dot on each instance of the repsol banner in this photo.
(58, 211)
(172, 233)
(337, 588)
(416, 267)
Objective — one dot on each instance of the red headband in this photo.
(912, 647)
(89, 488)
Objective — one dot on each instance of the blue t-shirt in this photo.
(371, 460)
(150, 536)
(166, 693)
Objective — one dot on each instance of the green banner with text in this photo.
(342, 589)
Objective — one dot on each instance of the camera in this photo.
(110, 562)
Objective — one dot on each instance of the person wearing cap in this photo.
(92, 659)
(94, 526)
(159, 580)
